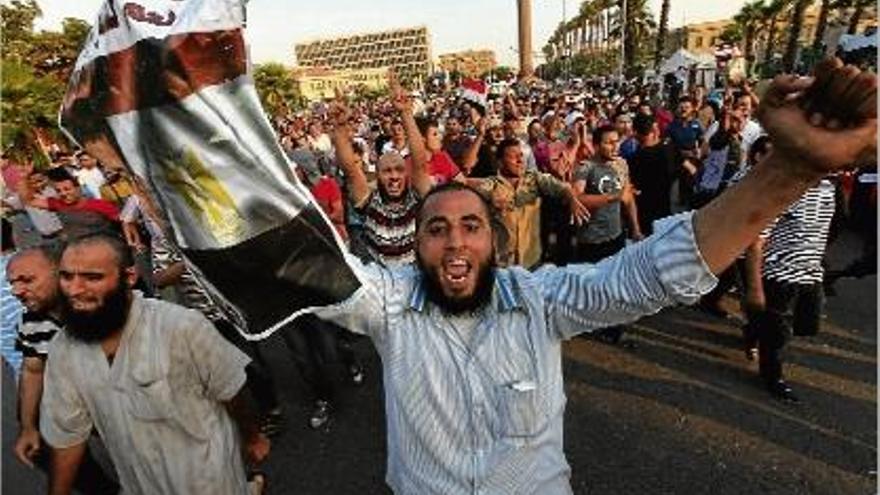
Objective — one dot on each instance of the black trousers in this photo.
(594, 253)
(792, 309)
(317, 352)
(259, 375)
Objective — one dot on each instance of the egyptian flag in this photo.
(474, 91)
(165, 84)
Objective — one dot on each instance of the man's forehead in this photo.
(454, 205)
(92, 256)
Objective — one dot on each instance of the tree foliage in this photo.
(278, 92)
(35, 70)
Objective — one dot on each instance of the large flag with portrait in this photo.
(165, 85)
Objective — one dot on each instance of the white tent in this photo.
(683, 60)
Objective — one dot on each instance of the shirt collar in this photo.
(506, 296)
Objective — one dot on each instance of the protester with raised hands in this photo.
(389, 209)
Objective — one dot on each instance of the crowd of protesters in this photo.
(576, 171)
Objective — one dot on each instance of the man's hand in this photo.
(401, 101)
(338, 112)
(825, 123)
(27, 445)
(579, 213)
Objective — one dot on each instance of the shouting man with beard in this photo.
(162, 387)
(471, 353)
(389, 210)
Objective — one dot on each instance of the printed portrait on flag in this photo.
(165, 85)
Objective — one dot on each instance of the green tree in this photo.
(35, 69)
(278, 92)
(748, 21)
(662, 33)
(795, 26)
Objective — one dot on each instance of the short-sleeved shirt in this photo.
(685, 135)
(441, 168)
(158, 407)
(602, 178)
(390, 227)
(87, 216)
(35, 333)
(520, 208)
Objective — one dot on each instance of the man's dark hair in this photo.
(503, 145)
(426, 123)
(760, 146)
(686, 99)
(643, 124)
(600, 132)
(499, 231)
(122, 252)
(60, 174)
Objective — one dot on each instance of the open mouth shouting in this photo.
(456, 275)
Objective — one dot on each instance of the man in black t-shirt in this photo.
(652, 171)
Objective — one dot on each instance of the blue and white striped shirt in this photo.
(486, 416)
(11, 311)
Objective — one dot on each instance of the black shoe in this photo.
(320, 415)
(780, 390)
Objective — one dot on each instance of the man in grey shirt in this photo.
(471, 353)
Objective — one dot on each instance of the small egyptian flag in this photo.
(165, 85)
(475, 92)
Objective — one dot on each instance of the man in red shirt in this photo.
(79, 215)
(441, 168)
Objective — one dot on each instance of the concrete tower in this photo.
(524, 10)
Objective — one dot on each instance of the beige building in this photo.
(407, 51)
(320, 83)
(701, 38)
(470, 63)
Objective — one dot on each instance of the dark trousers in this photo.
(259, 376)
(792, 309)
(594, 253)
(316, 350)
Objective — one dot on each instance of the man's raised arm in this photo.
(817, 126)
(358, 188)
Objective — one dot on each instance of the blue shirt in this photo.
(486, 415)
(685, 135)
(11, 311)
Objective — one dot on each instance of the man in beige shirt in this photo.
(163, 389)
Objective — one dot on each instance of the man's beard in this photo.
(94, 326)
(459, 305)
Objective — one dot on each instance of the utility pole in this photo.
(624, 23)
(566, 53)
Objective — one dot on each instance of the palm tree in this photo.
(821, 24)
(749, 19)
(662, 31)
(635, 29)
(794, 33)
(771, 13)
(859, 6)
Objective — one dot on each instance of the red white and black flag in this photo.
(165, 84)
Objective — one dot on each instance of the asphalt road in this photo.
(680, 413)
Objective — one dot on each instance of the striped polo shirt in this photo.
(390, 228)
(795, 243)
(35, 333)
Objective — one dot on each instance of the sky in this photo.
(274, 26)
